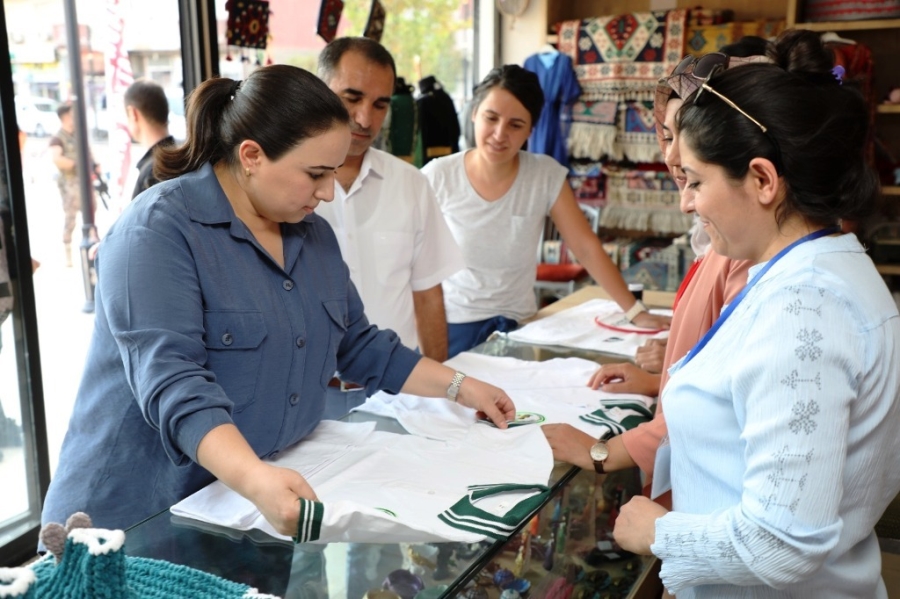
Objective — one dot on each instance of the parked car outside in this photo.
(37, 116)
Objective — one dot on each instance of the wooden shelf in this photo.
(850, 25)
(888, 269)
(890, 190)
(888, 108)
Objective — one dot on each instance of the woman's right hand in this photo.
(652, 355)
(570, 445)
(276, 491)
(625, 378)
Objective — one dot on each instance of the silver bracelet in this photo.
(636, 309)
(453, 389)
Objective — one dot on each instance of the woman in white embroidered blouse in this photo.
(782, 421)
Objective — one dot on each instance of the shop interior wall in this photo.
(523, 35)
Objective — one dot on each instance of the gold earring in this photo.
(247, 171)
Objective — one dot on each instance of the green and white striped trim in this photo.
(463, 515)
(309, 527)
(619, 416)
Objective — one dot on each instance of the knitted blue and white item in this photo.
(93, 565)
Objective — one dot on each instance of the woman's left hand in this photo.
(635, 528)
(652, 321)
(488, 400)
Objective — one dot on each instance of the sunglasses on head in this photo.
(702, 70)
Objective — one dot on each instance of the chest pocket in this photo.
(233, 352)
(338, 322)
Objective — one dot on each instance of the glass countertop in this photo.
(352, 570)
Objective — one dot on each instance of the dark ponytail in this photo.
(817, 130)
(277, 106)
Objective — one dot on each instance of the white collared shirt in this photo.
(393, 238)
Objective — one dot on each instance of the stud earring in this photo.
(247, 171)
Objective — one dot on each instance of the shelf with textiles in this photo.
(886, 108)
(850, 25)
(890, 190)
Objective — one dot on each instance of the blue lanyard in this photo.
(737, 300)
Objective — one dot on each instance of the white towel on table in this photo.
(576, 327)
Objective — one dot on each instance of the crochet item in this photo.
(86, 562)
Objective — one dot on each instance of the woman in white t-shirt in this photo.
(495, 198)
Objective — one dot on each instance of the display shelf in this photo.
(890, 190)
(888, 108)
(850, 25)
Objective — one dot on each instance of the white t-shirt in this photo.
(498, 239)
(393, 239)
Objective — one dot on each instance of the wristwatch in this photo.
(453, 389)
(599, 453)
(636, 309)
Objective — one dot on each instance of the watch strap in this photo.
(598, 464)
(636, 309)
(453, 389)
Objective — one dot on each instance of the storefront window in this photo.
(119, 41)
(434, 38)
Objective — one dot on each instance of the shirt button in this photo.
(288, 285)
(295, 399)
(301, 342)
(227, 339)
(346, 321)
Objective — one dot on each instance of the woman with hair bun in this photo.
(496, 198)
(223, 311)
(782, 443)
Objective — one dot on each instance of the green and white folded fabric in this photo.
(395, 489)
(619, 417)
(492, 510)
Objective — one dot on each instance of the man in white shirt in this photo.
(390, 229)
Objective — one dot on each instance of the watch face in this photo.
(599, 452)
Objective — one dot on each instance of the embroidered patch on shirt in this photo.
(803, 417)
(809, 345)
(793, 380)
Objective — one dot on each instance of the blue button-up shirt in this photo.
(197, 326)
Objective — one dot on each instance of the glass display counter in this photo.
(565, 549)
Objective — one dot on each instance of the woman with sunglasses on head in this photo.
(712, 281)
(782, 420)
(495, 199)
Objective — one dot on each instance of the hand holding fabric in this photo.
(570, 445)
(624, 378)
(652, 321)
(275, 491)
(487, 400)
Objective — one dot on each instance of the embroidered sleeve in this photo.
(792, 393)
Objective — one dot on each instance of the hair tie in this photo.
(838, 73)
(234, 88)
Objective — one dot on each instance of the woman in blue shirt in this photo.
(224, 309)
(782, 421)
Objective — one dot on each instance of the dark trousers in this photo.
(464, 336)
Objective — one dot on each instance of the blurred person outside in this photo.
(64, 152)
(147, 116)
